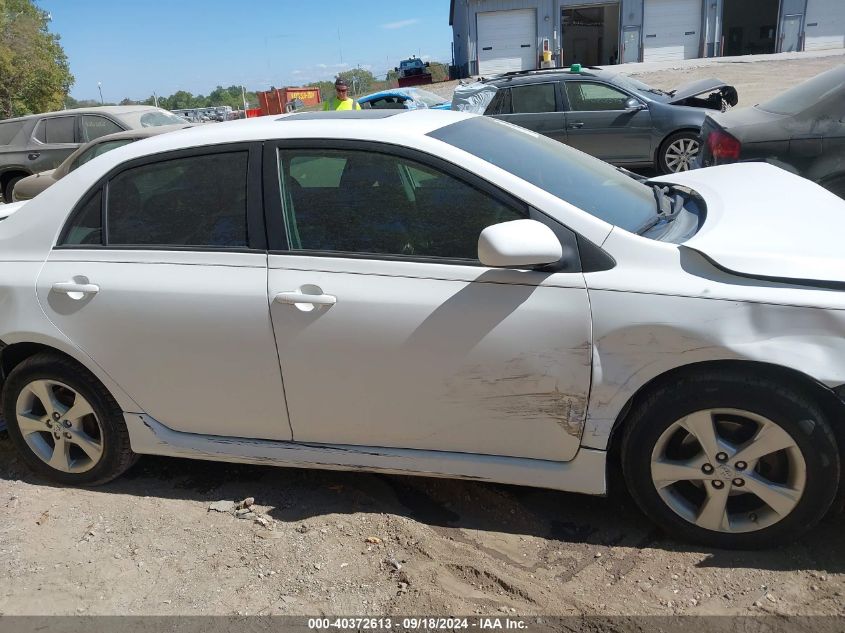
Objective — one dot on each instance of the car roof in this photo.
(389, 126)
(530, 76)
(115, 110)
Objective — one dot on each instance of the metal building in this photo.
(493, 36)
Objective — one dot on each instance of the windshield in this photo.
(807, 94)
(151, 118)
(629, 83)
(581, 180)
(428, 98)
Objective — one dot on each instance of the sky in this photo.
(137, 47)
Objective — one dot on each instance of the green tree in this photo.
(34, 72)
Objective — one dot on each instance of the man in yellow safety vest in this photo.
(341, 100)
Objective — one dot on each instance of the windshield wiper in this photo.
(668, 207)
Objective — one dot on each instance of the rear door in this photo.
(598, 123)
(161, 278)
(536, 106)
(53, 140)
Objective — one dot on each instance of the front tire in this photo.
(64, 423)
(10, 187)
(678, 152)
(731, 461)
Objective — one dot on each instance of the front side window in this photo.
(501, 103)
(56, 130)
(94, 126)
(587, 96)
(193, 201)
(533, 98)
(369, 203)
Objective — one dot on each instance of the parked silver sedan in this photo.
(441, 294)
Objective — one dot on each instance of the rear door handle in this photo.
(295, 297)
(576, 126)
(33, 155)
(71, 288)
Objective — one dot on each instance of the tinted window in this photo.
(501, 103)
(376, 203)
(97, 126)
(534, 98)
(8, 131)
(590, 97)
(86, 224)
(581, 180)
(57, 130)
(195, 201)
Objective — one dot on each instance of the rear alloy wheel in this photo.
(731, 461)
(64, 422)
(678, 152)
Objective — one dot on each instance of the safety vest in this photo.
(335, 104)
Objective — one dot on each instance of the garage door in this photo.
(671, 29)
(825, 24)
(507, 41)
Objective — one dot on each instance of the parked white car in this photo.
(435, 293)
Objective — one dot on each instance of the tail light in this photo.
(723, 146)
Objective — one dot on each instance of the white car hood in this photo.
(766, 222)
(8, 209)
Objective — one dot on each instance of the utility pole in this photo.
(100, 88)
(155, 98)
(243, 94)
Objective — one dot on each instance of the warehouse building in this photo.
(494, 36)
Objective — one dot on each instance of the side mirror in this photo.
(518, 244)
(634, 105)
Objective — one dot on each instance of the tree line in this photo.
(35, 76)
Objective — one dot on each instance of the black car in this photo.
(603, 112)
(800, 130)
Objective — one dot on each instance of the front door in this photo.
(630, 44)
(391, 334)
(158, 279)
(598, 123)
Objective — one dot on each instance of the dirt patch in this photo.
(357, 543)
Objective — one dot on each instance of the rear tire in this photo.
(64, 423)
(678, 152)
(712, 499)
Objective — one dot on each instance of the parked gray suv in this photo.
(39, 142)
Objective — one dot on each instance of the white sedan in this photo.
(441, 294)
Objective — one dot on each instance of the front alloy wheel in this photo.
(728, 470)
(679, 152)
(732, 461)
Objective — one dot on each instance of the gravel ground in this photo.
(355, 543)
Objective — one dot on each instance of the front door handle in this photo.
(576, 126)
(295, 297)
(33, 155)
(72, 288)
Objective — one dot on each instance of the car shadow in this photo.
(450, 507)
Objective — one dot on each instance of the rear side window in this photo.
(94, 126)
(501, 103)
(193, 201)
(56, 130)
(9, 130)
(533, 98)
(86, 225)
